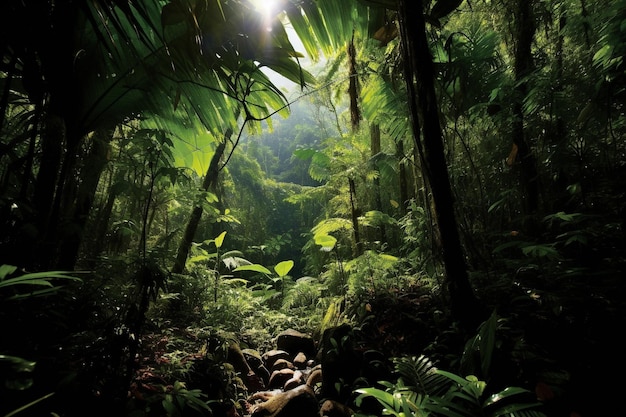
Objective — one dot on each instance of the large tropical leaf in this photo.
(327, 25)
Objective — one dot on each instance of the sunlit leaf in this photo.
(220, 239)
(327, 242)
(283, 268)
(254, 267)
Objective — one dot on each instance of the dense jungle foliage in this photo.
(445, 178)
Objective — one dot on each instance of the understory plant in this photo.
(18, 373)
(423, 390)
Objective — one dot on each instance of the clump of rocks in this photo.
(285, 381)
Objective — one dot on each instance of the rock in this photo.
(224, 409)
(293, 342)
(280, 377)
(315, 377)
(294, 381)
(331, 408)
(253, 357)
(281, 364)
(298, 402)
(264, 373)
(237, 359)
(255, 361)
(273, 355)
(300, 361)
(252, 381)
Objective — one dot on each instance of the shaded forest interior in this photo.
(254, 208)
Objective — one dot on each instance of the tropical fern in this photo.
(420, 375)
(423, 390)
(332, 225)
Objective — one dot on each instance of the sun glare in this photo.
(267, 8)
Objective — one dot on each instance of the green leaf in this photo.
(6, 270)
(327, 242)
(380, 395)
(254, 268)
(199, 258)
(602, 54)
(283, 268)
(304, 154)
(541, 251)
(504, 394)
(459, 380)
(562, 216)
(30, 404)
(220, 240)
(35, 278)
(169, 406)
(236, 281)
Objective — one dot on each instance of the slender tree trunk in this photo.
(353, 89)
(557, 135)
(358, 249)
(375, 149)
(210, 179)
(523, 38)
(419, 70)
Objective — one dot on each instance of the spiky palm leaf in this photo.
(326, 25)
(133, 57)
(420, 375)
(384, 105)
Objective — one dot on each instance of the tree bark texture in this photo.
(353, 88)
(419, 72)
(523, 38)
(90, 174)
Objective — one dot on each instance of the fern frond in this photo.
(420, 374)
(332, 225)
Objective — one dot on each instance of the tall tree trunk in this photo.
(353, 88)
(358, 247)
(210, 179)
(419, 70)
(523, 38)
(375, 150)
(557, 135)
(102, 226)
(57, 55)
(90, 174)
(52, 144)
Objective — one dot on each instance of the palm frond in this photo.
(327, 25)
(420, 375)
(381, 104)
